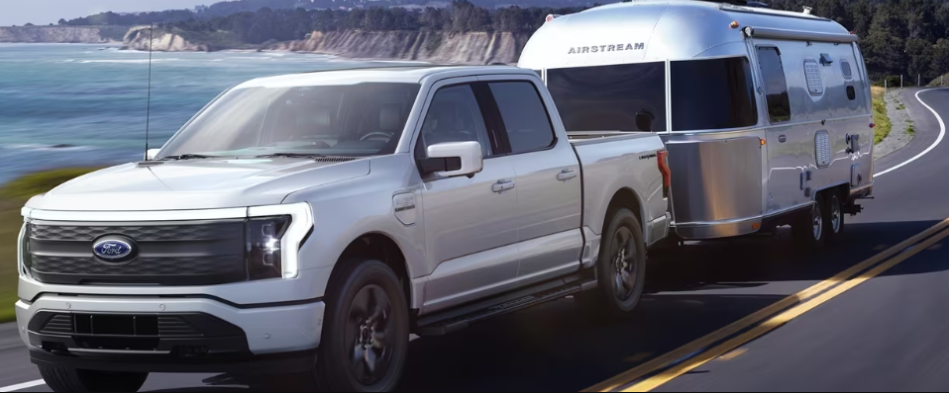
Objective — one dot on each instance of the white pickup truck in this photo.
(310, 223)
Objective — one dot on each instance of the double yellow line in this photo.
(663, 369)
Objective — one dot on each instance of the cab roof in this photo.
(394, 74)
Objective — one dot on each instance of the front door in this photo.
(470, 230)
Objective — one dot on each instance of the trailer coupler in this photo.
(852, 209)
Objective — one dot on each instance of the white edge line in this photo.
(942, 133)
(24, 385)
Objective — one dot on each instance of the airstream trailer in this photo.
(766, 114)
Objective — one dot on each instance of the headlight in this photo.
(23, 256)
(264, 259)
(274, 237)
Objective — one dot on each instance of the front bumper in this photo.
(291, 332)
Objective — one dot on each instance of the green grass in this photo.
(912, 129)
(882, 121)
(12, 197)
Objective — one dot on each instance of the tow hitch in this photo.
(852, 209)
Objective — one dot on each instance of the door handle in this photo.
(566, 174)
(502, 185)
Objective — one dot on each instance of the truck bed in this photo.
(602, 156)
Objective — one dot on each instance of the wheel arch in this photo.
(379, 246)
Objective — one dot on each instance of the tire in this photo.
(62, 379)
(366, 330)
(809, 230)
(620, 268)
(834, 218)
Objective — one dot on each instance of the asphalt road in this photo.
(889, 333)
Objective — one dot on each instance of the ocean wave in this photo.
(136, 61)
(41, 147)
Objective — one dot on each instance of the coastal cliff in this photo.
(62, 34)
(137, 38)
(431, 46)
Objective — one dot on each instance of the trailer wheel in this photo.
(834, 218)
(365, 332)
(64, 379)
(810, 230)
(620, 269)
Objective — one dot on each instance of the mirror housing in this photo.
(453, 159)
(151, 153)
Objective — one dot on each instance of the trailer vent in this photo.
(822, 148)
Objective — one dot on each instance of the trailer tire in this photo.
(810, 230)
(620, 268)
(367, 314)
(64, 379)
(834, 218)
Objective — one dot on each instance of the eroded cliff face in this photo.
(55, 34)
(137, 38)
(430, 46)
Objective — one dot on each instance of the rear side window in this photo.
(524, 115)
(775, 84)
(627, 97)
(713, 94)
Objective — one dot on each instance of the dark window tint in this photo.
(454, 116)
(628, 97)
(525, 118)
(775, 84)
(713, 94)
(851, 93)
(845, 68)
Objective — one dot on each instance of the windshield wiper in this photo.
(187, 157)
(292, 155)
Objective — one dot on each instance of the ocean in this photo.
(64, 105)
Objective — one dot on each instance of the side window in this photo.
(845, 69)
(775, 84)
(453, 116)
(524, 115)
(815, 85)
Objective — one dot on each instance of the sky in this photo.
(44, 12)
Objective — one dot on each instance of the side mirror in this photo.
(453, 159)
(151, 153)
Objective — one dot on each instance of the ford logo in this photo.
(114, 249)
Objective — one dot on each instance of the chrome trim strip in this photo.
(743, 219)
(126, 216)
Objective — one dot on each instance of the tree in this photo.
(62, 22)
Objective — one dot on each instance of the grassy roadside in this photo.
(12, 196)
(882, 121)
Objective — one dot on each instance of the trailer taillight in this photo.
(663, 158)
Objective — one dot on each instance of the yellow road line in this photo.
(733, 354)
(780, 320)
(746, 322)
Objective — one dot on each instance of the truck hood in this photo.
(195, 184)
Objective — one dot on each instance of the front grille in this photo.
(143, 266)
(157, 233)
(120, 325)
(133, 325)
(167, 253)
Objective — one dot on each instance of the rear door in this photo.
(547, 170)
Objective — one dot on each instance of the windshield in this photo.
(351, 121)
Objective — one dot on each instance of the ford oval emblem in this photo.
(114, 249)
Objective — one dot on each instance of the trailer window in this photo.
(845, 68)
(627, 97)
(713, 94)
(775, 84)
